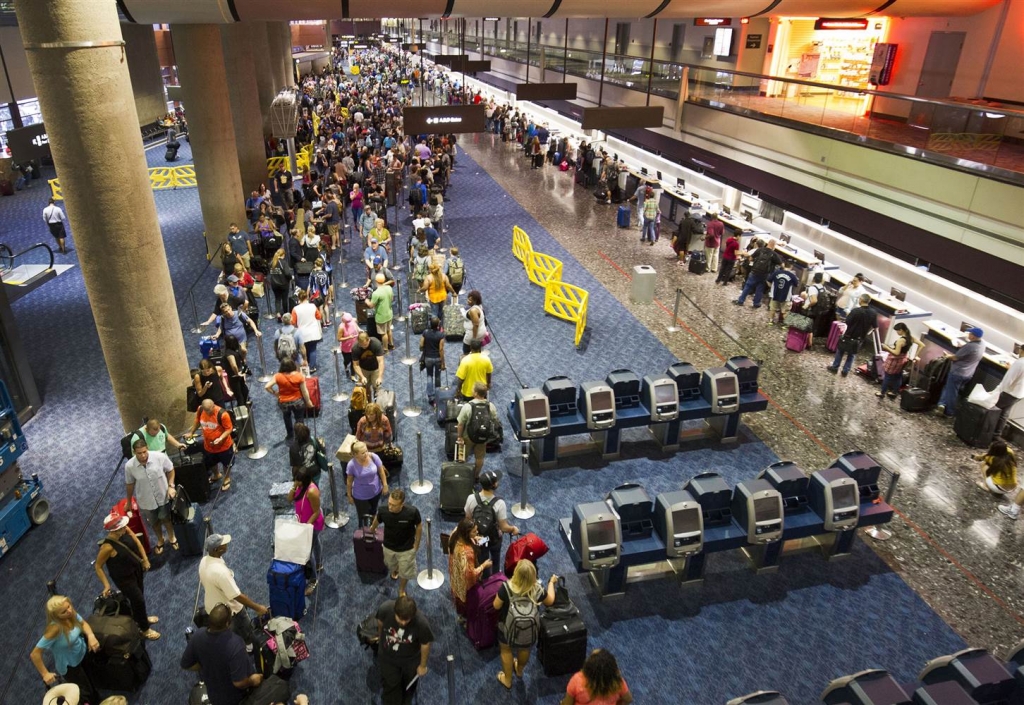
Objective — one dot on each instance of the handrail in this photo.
(8, 256)
(13, 257)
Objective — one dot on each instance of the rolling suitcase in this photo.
(287, 585)
(191, 474)
(125, 673)
(447, 409)
(915, 399)
(528, 547)
(835, 332)
(369, 549)
(135, 523)
(562, 642)
(622, 217)
(191, 534)
(206, 346)
(698, 263)
(481, 617)
(454, 321)
(451, 434)
(796, 340)
(313, 385)
(420, 316)
(456, 486)
(975, 425)
(244, 426)
(873, 369)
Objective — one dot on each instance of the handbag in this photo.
(198, 695)
(486, 340)
(850, 346)
(192, 400)
(293, 542)
(257, 290)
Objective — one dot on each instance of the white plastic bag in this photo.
(982, 397)
(293, 542)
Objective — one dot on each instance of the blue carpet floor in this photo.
(812, 620)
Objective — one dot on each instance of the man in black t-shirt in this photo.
(404, 639)
(368, 361)
(402, 529)
(219, 654)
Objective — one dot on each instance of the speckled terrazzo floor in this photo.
(949, 544)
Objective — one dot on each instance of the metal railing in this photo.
(10, 260)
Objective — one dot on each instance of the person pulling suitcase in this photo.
(403, 528)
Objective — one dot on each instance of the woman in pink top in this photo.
(306, 496)
(599, 683)
(348, 332)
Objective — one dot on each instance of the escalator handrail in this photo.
(13, 257)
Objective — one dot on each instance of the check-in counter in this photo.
(940, 338)
(890, 310)
(803, 261)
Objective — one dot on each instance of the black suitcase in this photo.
(123, 673)
(698, 264)
(915, 399)
(192, 534)
(451, 434)
(975, 425)
(562, 645)
(456, 486)
(191, 474)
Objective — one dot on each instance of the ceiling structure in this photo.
(227, 11)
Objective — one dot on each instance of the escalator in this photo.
(25, 271)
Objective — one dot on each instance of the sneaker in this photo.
(1010, 510)
(880, 395)
(831, 369)
(845, 373)
(757, 305)
(738, 302)
(940, 409)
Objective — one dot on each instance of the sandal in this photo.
(215, 479)
(154, 620)
(501, 679)
(174, 545)
(226, 486)
(151, 635)
(394, 575)
(158, 549)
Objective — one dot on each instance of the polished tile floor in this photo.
(949, 543)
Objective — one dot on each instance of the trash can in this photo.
(644, 277)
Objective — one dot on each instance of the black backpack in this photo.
(825, 303)
(484, 516)
(763, 259)
(481, 426)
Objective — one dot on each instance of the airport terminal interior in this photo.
(883, 140)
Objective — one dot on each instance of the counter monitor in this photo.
(720, 388)
(596, 534)
(679, 522)
(786, 238)
(791, 482)
(748, 216)
(680, 183)
(532, 413)
(757, 507)
(661, 396)
(897, 294)
(835, 498)
(966, 326)
(1016, 349)
(747, 372)
(597, 404)
(659, 176)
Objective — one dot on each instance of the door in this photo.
(936, 81)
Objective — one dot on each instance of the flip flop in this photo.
(394, 576)
(158, 549)
(226, 486)
(174, 545)
(154, 620)
(151, 635)
(501, 679)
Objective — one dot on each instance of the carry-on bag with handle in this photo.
(528, 547)
(456, 486)
(796, 340)
(975, 425)
(622, 217)
(835, 332)
(915, 399)
(562, 643)
(313, 386)
(454, 320)
(481, 617)
(191, 533)
(369, 548)
(287, 585)
(191, 474)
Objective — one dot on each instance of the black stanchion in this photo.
(430, 579)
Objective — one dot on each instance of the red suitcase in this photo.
(796, 340)
(481, 617)
(135, 522)
(530, 546)
(834, 334)
(369, 549)
(313, 385)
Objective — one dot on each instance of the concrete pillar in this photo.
(204, 85)
(144, 69)
(279, 50)
(289, 65)
(265, 84)
(86, 99)
(245, 105)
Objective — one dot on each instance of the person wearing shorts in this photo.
(149, 478)
(218, 446)
(402, 529)
(381, 300)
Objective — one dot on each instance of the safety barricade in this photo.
(185, 176)
(569, 303)
(161, 177)
(521, 245)
(274, 162)
(55, 190)
(541, 269)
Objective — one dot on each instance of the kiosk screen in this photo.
(844, 496)
(534, 409)
(601, 533)
(685, 521)
(726, 386)
(766, 509)
(601, 401)
(663, 394)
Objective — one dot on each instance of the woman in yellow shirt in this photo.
(999, 468)
(437, 287)
(381, 234)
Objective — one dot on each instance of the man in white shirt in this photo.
(149, 477)
(488, 486)
(1011, 391)
(850, 294)
(54, 218)
(219, 587)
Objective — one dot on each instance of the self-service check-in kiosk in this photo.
(714, 496)
(532, 413)
(864, 470)
(791, 482)
(625, 385)
(757, 508)
(835, 497)
(596, 535)
(746, 371)
(561, 394)
(687, 379)
(597, 404)
(721, 389)
(661, 397)
(635, 509)
(679, 522)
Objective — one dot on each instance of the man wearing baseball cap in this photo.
(961, 370)
(219, 586)
(491, 515)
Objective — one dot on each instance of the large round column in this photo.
(85, 93)
(204, 85)
(245, 105)
(265, 84)
(279, 49)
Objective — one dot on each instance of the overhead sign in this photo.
(855, 23)
(712, 21)
(546, 91)
(471, 66)
(612, 118)
(448, 59)
(444, 118)
(28, 143)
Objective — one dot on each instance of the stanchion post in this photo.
(524, 510)
(398, 297)
(335, 519)
(408, 359)
(339, 393)
(877, 532)
(257, 451)
(673, 328)
(268, 302)
(412, 410)
(195, 314)
(430, 579)
(420, 486)
(450, 666)
(341, 266)
(266, 376)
